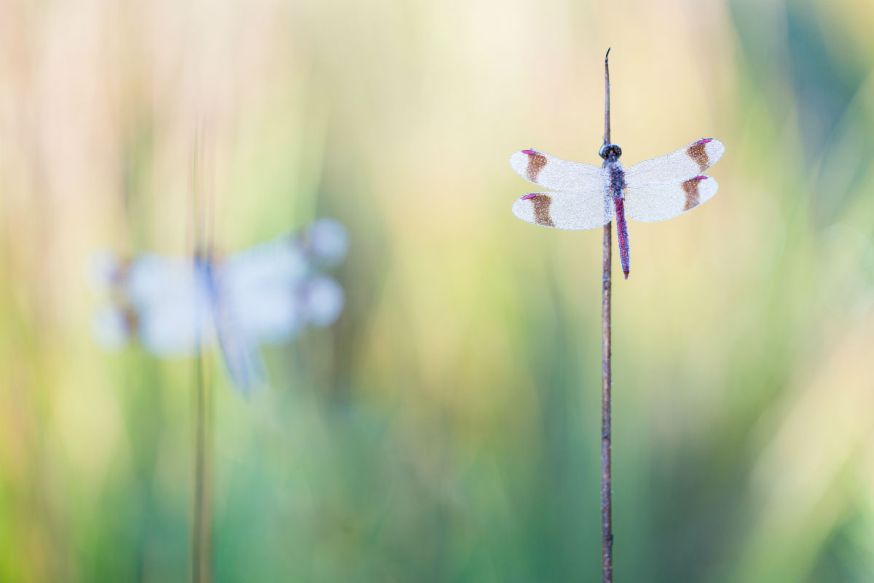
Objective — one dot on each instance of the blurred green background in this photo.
(446, 427)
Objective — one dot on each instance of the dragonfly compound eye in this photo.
(610, 151)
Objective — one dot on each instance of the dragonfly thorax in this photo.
(610, 152)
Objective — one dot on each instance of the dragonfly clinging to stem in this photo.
(582, 196)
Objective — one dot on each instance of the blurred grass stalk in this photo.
(203, 456)
(203, 399)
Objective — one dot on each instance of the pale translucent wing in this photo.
(553, 173)
(270, 314)
(152, 279)
(565, 210)
(322, 299)
(258, 287)
(275, 314)
(658, 201)
(273, 289)
(240, 350)
(171, 305)
(326, 241)
(175, 328)
(693, 160)
(289, 259)
(179, 308)
(278, 262)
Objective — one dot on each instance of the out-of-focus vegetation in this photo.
(446, 428)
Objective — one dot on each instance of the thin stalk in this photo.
(606, 374)
(607, 98)
(201, 536)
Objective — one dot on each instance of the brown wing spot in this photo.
(693, 197)
(536, 162)
(698, 153)
(541, 204)
(131, 320)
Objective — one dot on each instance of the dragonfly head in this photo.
(610, 152)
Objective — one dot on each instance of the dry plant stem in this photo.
(606, 375)
(606, 421)
(202, 536)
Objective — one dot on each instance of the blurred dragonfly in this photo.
(587, 196)
(266, 294)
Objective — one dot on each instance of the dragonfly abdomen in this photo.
(617, 188)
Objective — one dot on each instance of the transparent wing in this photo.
(556, 174)
(258, 286)
(693, 160)
(270, 314)
(325, 241)
(565, 210)
(240, 350)
(273, 290)
(277, 262)
(171, 305)
(152, 279)
(658, 201)
(322, 299)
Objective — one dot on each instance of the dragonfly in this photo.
(583, 196)
(267, 294)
